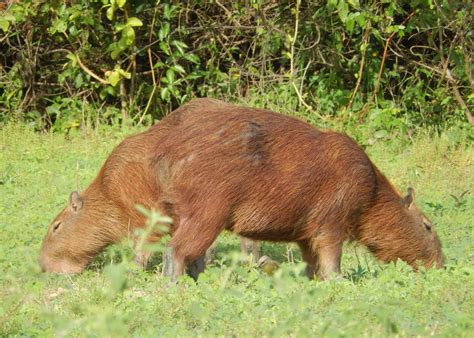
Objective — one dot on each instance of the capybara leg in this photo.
(197, 266)
(249, 246)
(142, 258)
(329, 260)
(210, 253)
(190, 242)
(310, 256)
(173, 265)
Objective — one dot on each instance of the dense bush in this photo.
(395, 63)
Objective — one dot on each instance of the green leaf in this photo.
(134, 22)
(192, 58)
(158, 65)
(350, 23)
(165, 48)
(73, 58)
(354, 3)
(361, 20)
(170, 75)
(180, 45)
(167, 11)
(331, 5)
(125, 74)
(178, 69)
(5, 20)
(342, 10)
(113, 77)
(165, 94)
(110, 12)
(164, 31)
(120, 3)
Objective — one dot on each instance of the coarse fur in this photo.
(212, 166)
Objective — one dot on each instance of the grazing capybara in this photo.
(211, 166)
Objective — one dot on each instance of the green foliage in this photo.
(231, 298)
(342, 59)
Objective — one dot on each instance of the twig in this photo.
(292, 56)
(150, 60)
(361, 67)
(90, 72)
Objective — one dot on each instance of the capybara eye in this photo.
(427, 226)
(56, 226)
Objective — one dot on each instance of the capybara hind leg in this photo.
(310, 256)
(249, 246)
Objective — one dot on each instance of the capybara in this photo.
(211, 166)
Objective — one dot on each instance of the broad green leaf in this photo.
(361, 20)
(354, 3)
(170, 75)
(165, 94)
(113, 77)
(110, 12)
(120, 3)
(5, 20)
(134, 22)
(167, 11)
(350, 23)
(331, 4)
(342, 10)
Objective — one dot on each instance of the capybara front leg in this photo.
(191, 241)
(173, 265)
(197, 266)
(329, 260)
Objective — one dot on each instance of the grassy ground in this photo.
(38, 172)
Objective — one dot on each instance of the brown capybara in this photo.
(211, 166)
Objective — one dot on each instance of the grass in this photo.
(112, 298)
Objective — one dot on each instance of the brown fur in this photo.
(212, 166)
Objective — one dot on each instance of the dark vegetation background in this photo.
(393, 65)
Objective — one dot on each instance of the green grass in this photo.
(38, 171)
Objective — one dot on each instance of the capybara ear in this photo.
(75, 201)
(409, 198)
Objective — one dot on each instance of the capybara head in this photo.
(429, 251)
(78, 233)
(407, 233)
